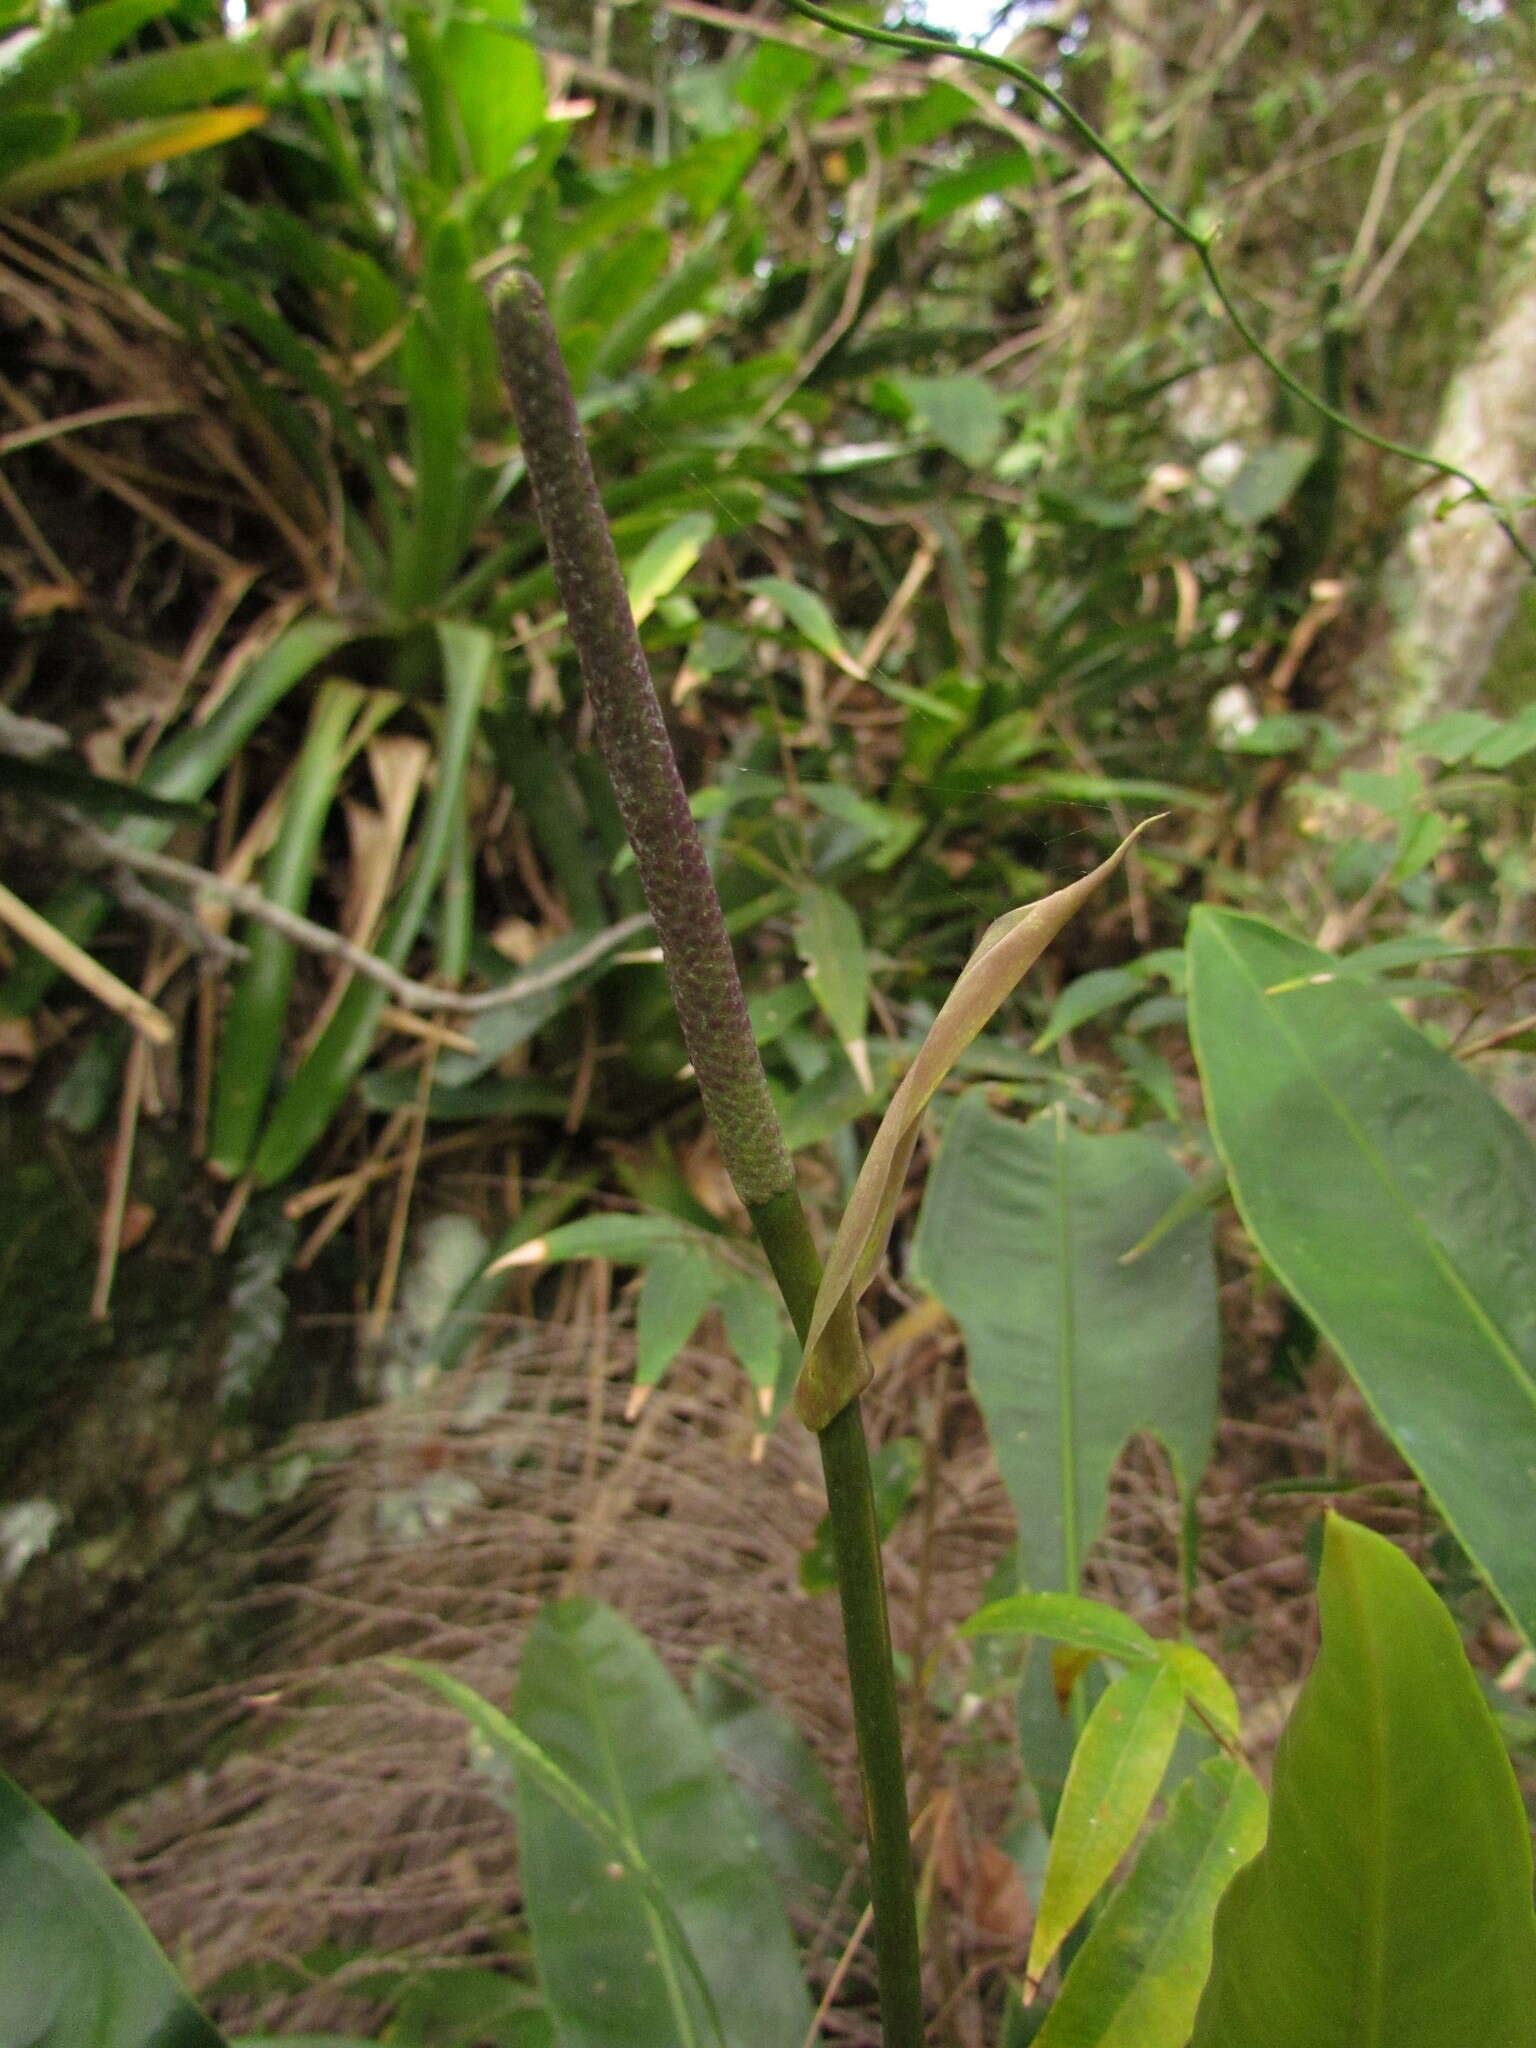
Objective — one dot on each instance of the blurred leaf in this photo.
(1420, 838)
(998, 171)
(1511, 743)
(779, 1776)
(754, 1327)
(1267, 480)
(98, 796)
(808, 615)
(498, 85)
(170, 81)
(895, 1469)
(1088, 997)
(27, 133)
(665, 560)
(128, 149)
(595, 1698)
(1396, 1201)
(1008, 949)
(1455, 737)
(1392, 1901)
(78, 1968)
(552, 1785)
(1137, 1978)
(831, 943)
(67, 50)
(963, 414)
(1117, 1767)
(681, 1281)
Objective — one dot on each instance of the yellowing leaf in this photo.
(129, 149)
(665, 560)
(835, 1370)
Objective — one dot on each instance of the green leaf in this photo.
(665, 560)
(171, 81)
(779, 1776)
(809, 617)
(27, 133)
(68, 51)
(78, 1967)
(1396, 1200)
(498, 84)
(1205, 1686)
(258, 1006)
(594, 1697)
(319, 1087)
(628, 1240)
(680, 1282)
(754, 1327)
(1454, 737)
(500, 1748)
(1117, 1767)
(1391, 1906)
(998, 171)
(1008, 948)
(183, 770)
(1064, 1618)
(831, 943)
(1087, 997)
(132, 148)
(1267, 480)
(1136, 1980)
(963, 414)
(1512, 742)
(1070, 1351)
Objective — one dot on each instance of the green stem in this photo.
(712, 1010)
(786, 1237)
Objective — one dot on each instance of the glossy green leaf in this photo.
(593, 1696)
(1117, 1767)
(831, 943)
(1396, 1200)
(665, 560)
(1070, 1352)
(317, 1090)
(78, 1967)
(1391, 1905)
(1206, 1687)
(1137, 1979)
(1064, 1618)
(680, 1282)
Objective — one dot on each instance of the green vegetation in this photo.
(1000, 465)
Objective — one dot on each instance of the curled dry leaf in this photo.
(835, 1370)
